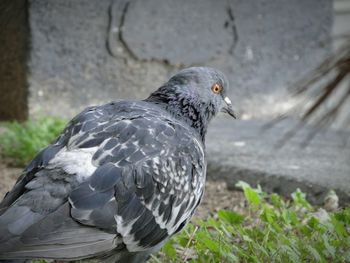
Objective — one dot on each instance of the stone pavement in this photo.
(243, 150)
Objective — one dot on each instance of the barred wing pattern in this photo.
(149, 179)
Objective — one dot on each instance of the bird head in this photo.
(206, 87)
(203, 88)
(195, 95)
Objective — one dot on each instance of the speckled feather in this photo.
(118, 182)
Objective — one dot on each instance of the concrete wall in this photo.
(88, 52)
(341, 24)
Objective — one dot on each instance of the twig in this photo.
(184, 255)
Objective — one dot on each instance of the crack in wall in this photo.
(116, 45)
(232, 23)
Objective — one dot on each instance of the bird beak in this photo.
(228, 108)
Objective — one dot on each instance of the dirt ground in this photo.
(216, 196)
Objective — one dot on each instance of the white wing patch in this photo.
(124, 229)
(76, 162)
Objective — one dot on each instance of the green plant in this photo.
(274, 230)
(20, 142)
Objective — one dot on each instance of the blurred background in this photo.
(58, 57)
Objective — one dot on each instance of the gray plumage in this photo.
(120, 179)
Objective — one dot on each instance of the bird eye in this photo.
(216, 88)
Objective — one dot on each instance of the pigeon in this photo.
(121, 178)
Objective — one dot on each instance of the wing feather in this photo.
(58, 236)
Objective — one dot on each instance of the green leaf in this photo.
(242, 185)
(312, 251)
(267, 215)
(250, 194)
(330, 249)
(211, 244)
(347, 256)
(305, 230)
(314, 223)
(289, 216)
(182, 241)
(169, 250)
(338, 227)
(247, 238)
(276, 201)
(230, 217)
(231, 257)
(291, 253)
(262, 250)
(343, 216)
(299, 199)
(212, 222)
(252, 197)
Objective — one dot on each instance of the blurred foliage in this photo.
(323, 97)
(274, 230)
(330, 81)
(20, 142)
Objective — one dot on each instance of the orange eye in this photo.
(216, 88)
